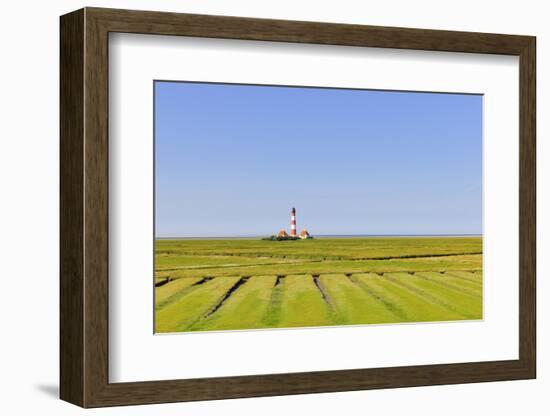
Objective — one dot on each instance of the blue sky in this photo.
(232, 160)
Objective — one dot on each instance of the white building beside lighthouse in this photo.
(304, 234)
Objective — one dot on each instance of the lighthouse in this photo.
(283, 236)
(293, 223)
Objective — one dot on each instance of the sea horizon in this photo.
(319, 236)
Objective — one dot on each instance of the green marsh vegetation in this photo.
(235, 284)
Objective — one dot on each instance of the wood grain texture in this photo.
(71, 158)
(162, 23)
(96, 209)
(84, 207)
(527, 207)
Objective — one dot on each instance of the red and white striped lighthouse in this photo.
(293, 223)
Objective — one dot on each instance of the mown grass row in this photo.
(193, 262)
(269, 301)
(436, 264)
(320, 249)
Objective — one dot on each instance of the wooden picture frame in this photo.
(84, 207)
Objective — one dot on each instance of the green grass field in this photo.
(227, 284)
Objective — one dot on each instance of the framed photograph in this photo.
(254, 207)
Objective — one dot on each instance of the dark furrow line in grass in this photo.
(163, 282)
(379, 272)
(279, 280)
(227, 295)
(324, 293)
(202, 281)
(239, 265)
(249, 255)
(322, 258)
(448, 285)
(425, 295)
(182, 292)
(417, 256)
(396, 310)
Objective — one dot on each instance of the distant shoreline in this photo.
(323, 236)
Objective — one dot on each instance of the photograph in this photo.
(297, 206)
(282, 207)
